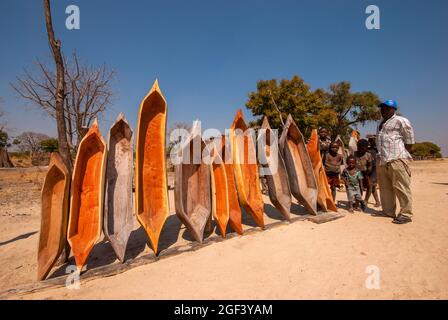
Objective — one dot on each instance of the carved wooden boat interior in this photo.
(151, 186)
(118, 204)
(298, 164)
(54, 215)
(277, 181)
(246, 169)
(234, 206)
(192, 186)
(87, 196)
(220, 194)
(324, 197)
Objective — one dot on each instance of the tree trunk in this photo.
(55, 45)
(64, 149)
(5, 162)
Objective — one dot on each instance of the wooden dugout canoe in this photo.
(192, 186)
(54, 215)
(234, 206)
(118, 215)
(246, 169)
(87, 195)
(298, 164)
(151, 186)
(277, 180)
(324, 197)
(220, 194)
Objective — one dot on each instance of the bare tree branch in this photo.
(88, 94)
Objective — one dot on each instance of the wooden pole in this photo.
(276, 107)
(55, 46)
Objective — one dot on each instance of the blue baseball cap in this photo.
(389, 103)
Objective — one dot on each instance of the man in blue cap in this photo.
(395, 138)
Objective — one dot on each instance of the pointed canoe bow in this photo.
(151, 186)
(298, 164)
(277, 178)
(324, 197)
(87, 198)
(54, 215)
(118, 204)
(246, 169)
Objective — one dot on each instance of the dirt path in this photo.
(297, 261)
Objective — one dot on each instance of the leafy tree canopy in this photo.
(426, 149)
(338, 109)
(3, 139)
(49, 145)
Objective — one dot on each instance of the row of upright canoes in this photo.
(98, 195)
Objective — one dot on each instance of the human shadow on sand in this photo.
(22, 236)
(440, 183)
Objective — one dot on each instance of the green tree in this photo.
(4, 138)
(426, 150)
(278, 99)
(49, 145)
(339, 109)
(352, 108)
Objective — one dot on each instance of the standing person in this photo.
(352, 178)
(395, 138)
(373, 190)
(332, 162)
(364, 163)
(324, 140)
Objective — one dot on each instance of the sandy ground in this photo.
(301, 260)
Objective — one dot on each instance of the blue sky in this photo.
(208, 55)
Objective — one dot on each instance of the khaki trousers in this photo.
(394, 181)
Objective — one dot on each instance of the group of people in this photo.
(381, 161)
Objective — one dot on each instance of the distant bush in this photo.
(426, 150)
(19, 155)
(49, 145)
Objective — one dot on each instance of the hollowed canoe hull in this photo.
(298, 164)
(234, 206)
(220, 194)
(324, 197)
(87, 196)
(118, 204)
(151, 186)
(278, 184)
(192, 187)
(54, 215)
(246, 170)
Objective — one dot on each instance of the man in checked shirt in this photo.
(395, 138)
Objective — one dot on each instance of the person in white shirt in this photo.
(395, 138)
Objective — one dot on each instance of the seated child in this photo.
(352, 178)
(332, 162)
